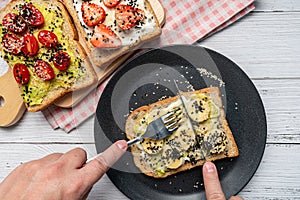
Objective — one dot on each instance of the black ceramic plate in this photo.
(149, 77)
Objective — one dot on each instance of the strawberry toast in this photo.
(110, 28)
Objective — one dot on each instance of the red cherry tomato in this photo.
(31, 45)
(14, 23)
(12, 43)
(43, 70)
(61, 60)
(32, 15)
(21, 73)
(47, 38)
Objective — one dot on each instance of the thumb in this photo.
(213, 189)
(96, 168)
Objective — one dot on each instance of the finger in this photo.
(75, 158)
(236, 198)
(212, 184)
(50, 158)
(95, 169)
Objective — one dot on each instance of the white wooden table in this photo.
(266, 45)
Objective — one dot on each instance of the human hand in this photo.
(60, 176)
(213, 189)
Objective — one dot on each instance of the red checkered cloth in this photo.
(187, 21)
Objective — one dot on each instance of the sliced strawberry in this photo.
(92, 14)
(128, 16)
(111, 3)
(104, 37)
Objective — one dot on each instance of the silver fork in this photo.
(161, 127)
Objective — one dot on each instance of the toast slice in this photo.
(145, 30)
(37, 93)
(209, 139)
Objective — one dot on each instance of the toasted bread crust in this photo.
(70, 30)
(103, 57)
(231, 149)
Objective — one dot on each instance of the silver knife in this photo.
(203, 150)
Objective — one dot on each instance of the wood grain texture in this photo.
(277, 5)
(282, 109)
(265, 45)
(272, 179)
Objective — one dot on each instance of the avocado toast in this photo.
(40, 43)
(207, 138)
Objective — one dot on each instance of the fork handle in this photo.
(131, 142)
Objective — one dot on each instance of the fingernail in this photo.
(121, 144)
(209, 167)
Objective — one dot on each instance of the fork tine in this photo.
(171, 123)
(171, 114)
(167, 116)
(172, 126)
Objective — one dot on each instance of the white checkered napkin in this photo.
(187, 21)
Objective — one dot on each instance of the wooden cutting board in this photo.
(12, 107)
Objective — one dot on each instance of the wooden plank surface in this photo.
(277, 5)
(282, 108)
(265, 44)
(282, 181)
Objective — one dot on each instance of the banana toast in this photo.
(206, 138)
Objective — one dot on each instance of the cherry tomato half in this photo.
(32, 15)
(21, 73)
(31, 45)
(47, 38)
(43, 70)
(61, 60)
(12, 43)
(14, 23)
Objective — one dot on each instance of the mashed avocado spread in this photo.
(36, 89)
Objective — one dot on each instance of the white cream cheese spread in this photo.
(127, 37)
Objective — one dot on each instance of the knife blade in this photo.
(202, 148)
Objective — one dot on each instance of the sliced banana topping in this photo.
(152, 146)
(176, 164)
(151, 162)
(195, 155)
(170, 154)
(215, 141)
(214, 110)
(198, 109)
(182, 138)
(203, 127)
(140, 127)
(154, 114)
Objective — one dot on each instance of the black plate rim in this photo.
(112, 172)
